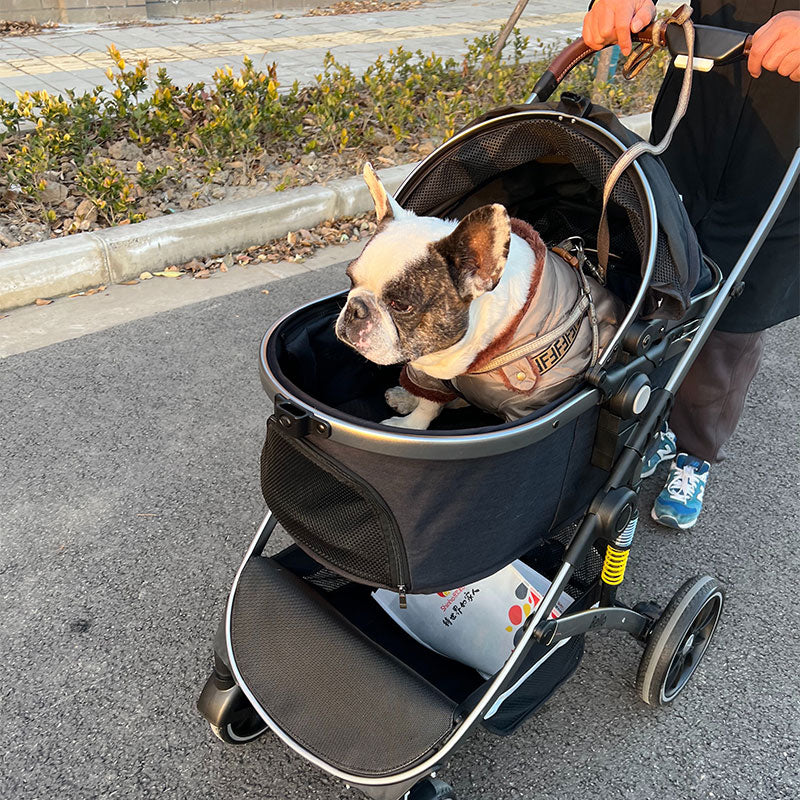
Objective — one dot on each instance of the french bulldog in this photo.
(477, 310)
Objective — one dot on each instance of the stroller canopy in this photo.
(548, 166)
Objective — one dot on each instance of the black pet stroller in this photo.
(302, 649)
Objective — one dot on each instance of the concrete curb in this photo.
(73, 263)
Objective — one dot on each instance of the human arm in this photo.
(776, 46)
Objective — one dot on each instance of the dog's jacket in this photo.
(543, 351)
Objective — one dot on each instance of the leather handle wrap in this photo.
(577, 51)
(572, 55)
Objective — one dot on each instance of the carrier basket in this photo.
(428, 511)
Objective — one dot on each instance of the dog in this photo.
(477, 310)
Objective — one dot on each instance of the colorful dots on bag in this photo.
(515, 615)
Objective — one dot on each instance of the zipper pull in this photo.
(401, 591)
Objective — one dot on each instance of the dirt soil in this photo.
(21, 222)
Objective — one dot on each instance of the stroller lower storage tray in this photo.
(359, 669)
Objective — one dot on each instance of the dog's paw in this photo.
(401, 422)
(401, 400)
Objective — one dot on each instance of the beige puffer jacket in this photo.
(546, 354)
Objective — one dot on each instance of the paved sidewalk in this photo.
(74, 56)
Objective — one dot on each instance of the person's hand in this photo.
(612, 21)
(776, 46)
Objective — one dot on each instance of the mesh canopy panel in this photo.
(490, 161)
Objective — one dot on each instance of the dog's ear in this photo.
(476, 251)
(386, 207)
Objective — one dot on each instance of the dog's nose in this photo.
(359, 308)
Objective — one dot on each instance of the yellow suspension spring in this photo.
(614, 566)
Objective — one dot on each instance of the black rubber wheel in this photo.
(241, 728)
(431, 789)
(679, 640)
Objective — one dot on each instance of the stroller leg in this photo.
(223, 703)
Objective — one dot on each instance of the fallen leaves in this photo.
(41, 301)
(295, 246)
(20, 28)
(145, 276)
(169, 273)
(362, 7)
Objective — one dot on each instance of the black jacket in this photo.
(727, 158)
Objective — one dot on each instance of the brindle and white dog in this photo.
(477, 310)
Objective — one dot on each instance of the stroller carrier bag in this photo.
(431, 510)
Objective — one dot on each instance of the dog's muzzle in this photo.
(352, 320)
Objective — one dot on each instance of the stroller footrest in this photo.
(324, 683)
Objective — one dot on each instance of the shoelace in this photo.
(683, 485)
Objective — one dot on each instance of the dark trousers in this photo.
(711, 398)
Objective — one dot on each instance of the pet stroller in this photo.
(302, 648)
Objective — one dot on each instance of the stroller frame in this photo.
(607, 518)
(610, 518)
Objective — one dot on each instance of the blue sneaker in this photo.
(681, 500)
(664, 449)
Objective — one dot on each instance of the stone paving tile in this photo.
(11, 85)
(193, 52)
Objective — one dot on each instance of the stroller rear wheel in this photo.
(679, 640)
(431, 789)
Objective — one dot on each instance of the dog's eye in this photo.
(400, 307)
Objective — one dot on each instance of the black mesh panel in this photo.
(538, 688)
(340, 520)
(480, 157)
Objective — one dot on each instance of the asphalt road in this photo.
(129, 491)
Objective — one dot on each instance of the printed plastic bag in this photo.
(479, 624)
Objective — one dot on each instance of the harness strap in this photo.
(584, 305)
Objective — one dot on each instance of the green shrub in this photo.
(238, 118)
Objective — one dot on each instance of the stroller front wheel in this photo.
(226, 709)
(431, 789)
(679, 640)
(239, 731)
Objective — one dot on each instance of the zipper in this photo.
(401, 591)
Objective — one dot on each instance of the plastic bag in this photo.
(478, 625)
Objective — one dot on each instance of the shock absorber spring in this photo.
(617, 554)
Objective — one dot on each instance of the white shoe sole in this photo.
(672, 523)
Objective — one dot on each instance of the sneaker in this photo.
(664, 449)
(681, 500)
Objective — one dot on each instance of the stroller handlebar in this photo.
(713, 47)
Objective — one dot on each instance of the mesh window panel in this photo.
(339, 520)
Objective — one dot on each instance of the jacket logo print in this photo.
(547, 359)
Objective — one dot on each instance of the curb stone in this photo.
(73, 263)
(84, 260)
